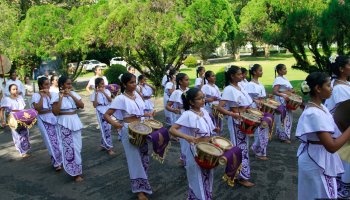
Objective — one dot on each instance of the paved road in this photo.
(107, 177)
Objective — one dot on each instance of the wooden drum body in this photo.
(207, 155)
(269, 106)
(154, 124)
(294, 101)
(249, 123)
(138, 133)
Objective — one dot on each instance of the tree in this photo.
(8, 22)
(152, 34)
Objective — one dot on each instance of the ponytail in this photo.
(189, 96)
(179, 77)
(233, 69)
(199, 69)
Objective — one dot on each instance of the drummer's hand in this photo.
(3, 123)
(270, 96)
(236, 116)
(117, 126)
(149, 114)
(217, 129)
(191, 139)
(177, 111)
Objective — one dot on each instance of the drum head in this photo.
(222, 142)
(273, 102)
(341, 115)
(255, 112)
(140, 128)
(12, 122)
(153, 123)
(210, 149)
(251, 117)
(296, 98)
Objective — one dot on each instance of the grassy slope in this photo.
(294, 76)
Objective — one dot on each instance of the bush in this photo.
(220, 78)
(113, 72)
(190, 61)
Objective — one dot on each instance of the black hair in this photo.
(233, 69)
(53, 78)
(188, 96)
(207, 75)
(61, 81)
(315, 79)
(141, 77)
(199, 69)
(125, 79)
(10, 86)
(244, 70)
(98, 81)
(41, 81)
(179, 77)
(172, 73)
(12, 72)
(253, 69)
(130, 67)
(278, 67)
(95, 68)
(340, 62)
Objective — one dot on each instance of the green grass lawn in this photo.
(294, 76)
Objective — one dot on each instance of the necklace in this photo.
(200, 113)
(255, 81)
(133, 97)
(316, 105)
(182, 89)
(344, 82)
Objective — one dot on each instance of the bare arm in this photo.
(39, 106)
(79, 103)
(332, 145)
(222, 110)
(3, 123)
(169, 107)
(174, 130)
(95, 102)
(56, 107)
(109, 119)
(88, 88)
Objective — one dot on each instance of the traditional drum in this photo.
(249, 123)
(207, 155)
(255, 112)
(294, 101)
(341, 115)
(215, 111)
(26, 118)
(138, 133)
(221, 142)
(154, 124)
(269, 106)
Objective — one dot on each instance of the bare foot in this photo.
(181, 163)
(287, 141)
(262, 157)
(246, 183)
(111, 152)
(25, 155)
(78, 179)
(59, 168)
(141, 196)
(102, 149)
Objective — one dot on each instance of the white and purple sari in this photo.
(47, 125)
(317, 168)
(166, 96)
(20, 135)
(69, 132)
(340, 93)
(105, 127)
(234, 99)
(283, 124)
(137, 157)
(261, 134)
(176, 99)
(212, 91)
(147, 93)
(200, 181)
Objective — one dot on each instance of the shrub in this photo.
(190, 61)
(220, 78)
(112, 73)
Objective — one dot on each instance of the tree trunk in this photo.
(267, 50)
(254, 49)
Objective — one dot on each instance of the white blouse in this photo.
(235, 97)
(126, 107)
(200, 126)
(13, 104)
(211, 91)
(102, 101)
(283, 83)
(312, 121)
(340, 93)
(71, 122)
(48, 117)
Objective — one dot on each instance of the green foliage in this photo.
(113, 72)
(8, 22)
(220, 78)
(190, 61)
